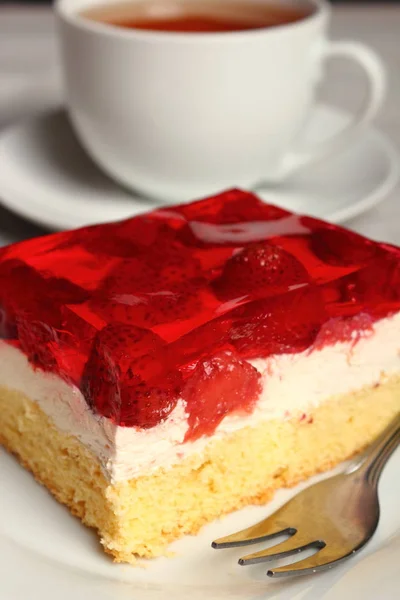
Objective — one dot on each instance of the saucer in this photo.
(47, 177)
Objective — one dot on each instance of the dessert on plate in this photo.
(159, 372)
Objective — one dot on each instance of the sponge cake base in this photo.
(140, 517)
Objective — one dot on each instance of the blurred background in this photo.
(333, 1)
(30, 82)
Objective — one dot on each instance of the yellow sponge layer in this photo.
(141, 516)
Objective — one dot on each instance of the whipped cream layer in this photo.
(292, 384)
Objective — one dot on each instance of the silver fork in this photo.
(336, 516)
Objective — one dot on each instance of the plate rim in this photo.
(21, 205)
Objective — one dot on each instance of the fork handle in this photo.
(375, 458)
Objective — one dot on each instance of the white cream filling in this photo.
(291, 385)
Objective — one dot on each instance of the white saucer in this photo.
(46, 176)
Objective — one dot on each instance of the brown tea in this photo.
(198, 17)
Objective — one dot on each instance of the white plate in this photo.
(45, 175)
(46, 554)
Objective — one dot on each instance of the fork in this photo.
(336, 517)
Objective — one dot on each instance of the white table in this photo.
(28, 62)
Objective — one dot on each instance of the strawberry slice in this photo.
(248, 207)
(342, 248)
(148, 310)
(37, 340)
(221, 385)
(260, 269)
(49, 349)
(199, 343)
(156, 271)
(31, 291)
(8, 326)
(280, 325)
(125, 379)
(374, 288)
(232, 206)
(344, 329)
(17, 284)
(141, 293)
(125, 239)
(227, 218)
(147, 402)
(32, 311)
(116, 346)
(102, 241)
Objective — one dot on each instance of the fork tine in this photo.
(320, 561)
(265, 530)
(293, 545)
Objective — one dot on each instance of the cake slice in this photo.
(159, 372)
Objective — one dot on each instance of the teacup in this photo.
(177, 116)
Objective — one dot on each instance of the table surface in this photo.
(28, 62)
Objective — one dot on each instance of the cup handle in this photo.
(376, 78)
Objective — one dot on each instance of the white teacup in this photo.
(182, 115)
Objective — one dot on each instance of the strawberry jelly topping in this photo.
(169, 304)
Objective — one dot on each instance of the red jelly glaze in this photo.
(169, 304)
